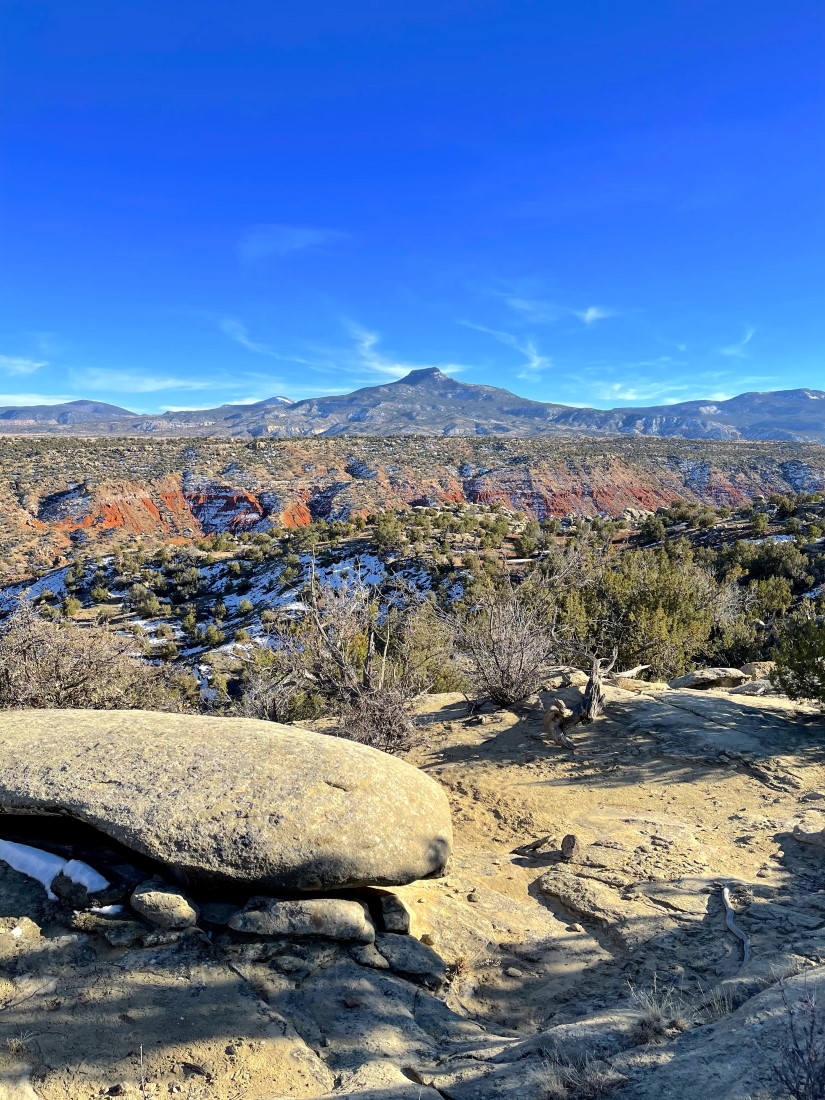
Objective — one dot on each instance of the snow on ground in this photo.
(45, 866)
(54, 582)
(773, 538)
(367, 568)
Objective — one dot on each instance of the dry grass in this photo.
(664, 1013)
(18, 1045)
(586, 1078)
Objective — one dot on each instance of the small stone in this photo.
(288, 964)
(218, 913)
(118, 933)
(124, 933)
(163, 905)
(76, 895)
(514, 972)
(811, 830)
(367, 955)
(570, 846)
(160, 937)
(428, 939)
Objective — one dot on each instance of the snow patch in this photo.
(44, 867)
(36, 864)
(52, 582)
(84, 875)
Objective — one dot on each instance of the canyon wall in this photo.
(55, 492)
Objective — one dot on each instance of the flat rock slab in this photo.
(230, 802)
(704, 678)
(331, 918)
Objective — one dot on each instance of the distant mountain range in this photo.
(430, 403)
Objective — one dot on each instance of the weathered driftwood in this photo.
(593, 702)
(558, 718)
(628, 674)
(533, 846)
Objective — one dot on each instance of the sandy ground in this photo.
(670, 794)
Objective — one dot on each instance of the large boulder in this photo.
(230, 802)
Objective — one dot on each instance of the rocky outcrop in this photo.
(739, 1056)
(704, 678)
(230, 801)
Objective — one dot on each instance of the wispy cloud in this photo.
(238, 332)
(133, 382)
(366, 343)
(279, 240)
(536, 364)
(739, 350)
(593, 314)
(535, 310)
(15, 364)
(35, 398)
(640, 391)
(539, 311)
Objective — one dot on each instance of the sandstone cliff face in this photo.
(53, 490)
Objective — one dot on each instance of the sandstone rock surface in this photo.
(230, 801)
(754, 687)
(331, 918)
(704, 678)
(759, 670)
(163, 906)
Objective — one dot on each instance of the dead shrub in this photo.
(275, 686)
(800, 1066)
(358, 654)
(507, 641)
(46, 664)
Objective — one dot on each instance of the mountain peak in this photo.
(425, 374)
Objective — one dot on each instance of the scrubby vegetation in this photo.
(45, 664)
(350, 620)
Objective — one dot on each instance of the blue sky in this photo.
(585, 201)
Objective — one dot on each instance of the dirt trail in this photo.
(672, 792)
